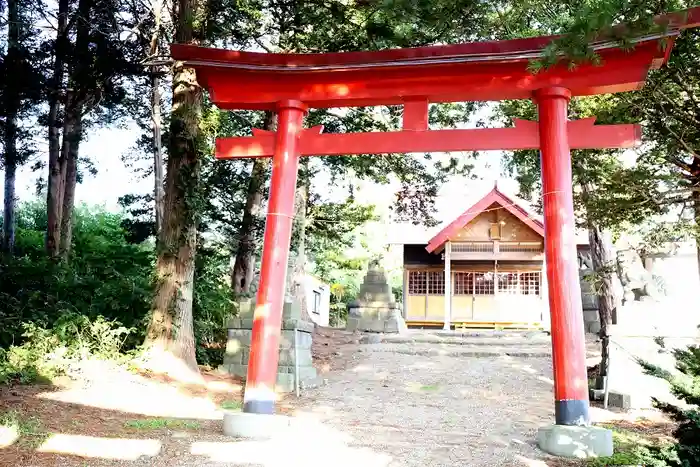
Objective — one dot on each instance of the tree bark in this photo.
(76, 99)
(54, 196)
(72, 134)
(158, 192)
(170, 346)
(244, 264)
(601, 256)
(12, 101)
(695, 167)
(696, 212)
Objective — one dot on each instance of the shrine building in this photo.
(493, 254)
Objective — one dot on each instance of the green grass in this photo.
(633, 449)
(30, 431)
(430, 387)
(160, 423)
(232, 405)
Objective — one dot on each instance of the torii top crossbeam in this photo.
(452, 73)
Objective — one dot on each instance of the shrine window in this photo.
(483, 283)
(463, 283)
(436, 283)
(530, 283)
(417, 284)
(508, 283)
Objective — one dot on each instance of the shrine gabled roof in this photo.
(495, 196)
(463, 72)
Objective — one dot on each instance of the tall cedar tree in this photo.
(170, 340)
(18, 97)
(93, 66)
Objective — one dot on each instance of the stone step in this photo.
(473, 339)
(458, 351)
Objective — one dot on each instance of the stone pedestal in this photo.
(238, 347)
(375, 309)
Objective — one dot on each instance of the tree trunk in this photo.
(695, 167)
(75, 102)
(170, 346)
(158, 191)
(696, 211)
(602, 263)
(602, 259)
(72, 134)
(11, 158)
(244, 264)
(156, 118)
(54, 196)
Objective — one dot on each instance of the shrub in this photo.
(107, 279)
(46, 353)
(686, 387)
(105, 276)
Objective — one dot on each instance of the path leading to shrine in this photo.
(417, 400)
(468, 402)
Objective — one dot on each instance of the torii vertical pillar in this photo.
(260, 395)
(568, 338)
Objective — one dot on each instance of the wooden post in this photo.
(267, 322)
(448, 286)
(568, 341)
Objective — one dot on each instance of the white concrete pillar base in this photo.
(580, 442)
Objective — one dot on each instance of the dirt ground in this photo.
(376, 408)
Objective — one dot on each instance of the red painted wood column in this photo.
(264, 349)
(568, 339)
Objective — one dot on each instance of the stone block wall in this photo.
(589, 300)
(239, 339)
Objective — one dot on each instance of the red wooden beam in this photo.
(415, 115)
(583, 134)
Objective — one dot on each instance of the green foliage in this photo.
(162, 423)
(73, 338)
(685, 385)
(232, 405)
(632, 448)
(621, 195)
(29, 428)
(76, 304)
(106, 276)
(213, 304)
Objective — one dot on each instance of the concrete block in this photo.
(285, 382)
(287, 357)
(592, 327)
(575, 441)
(240, 336)
(291, 310)
(233, 359)
(619, 400)
(237, 369)
(255, 426)
(591, 315)
(351, 323)
(301, 325)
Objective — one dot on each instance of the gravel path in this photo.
(415, 409)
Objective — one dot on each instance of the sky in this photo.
(106, 146)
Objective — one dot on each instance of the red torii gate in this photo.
(291, 83)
